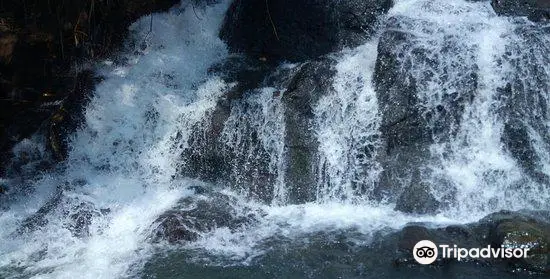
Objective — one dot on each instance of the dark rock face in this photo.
(70, 114)
(417, 198)
(81, 218)
(525, 107)
(39, 218)
(53, 124)
(312, 81)
(80, 215)
(404, 68)
(412, 117)
(197, 215)
(246, 71)
(516, 230)
(403, 128)
(212, 157)
(535, 10)
(517, 141)
(298, 30)
(295, 35)
(402, 123)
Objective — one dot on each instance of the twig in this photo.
(271, 20)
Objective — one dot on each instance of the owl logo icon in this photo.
(425, 252)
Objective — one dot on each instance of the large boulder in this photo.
(404, 130)
(214, 154)
(299, 30)
(524, 108)
(312, 81)
(228, 147)
(200, 214)
(535, 10)
(517, 230)
(402, 123)
(517, 140)
(266, 33)
(415, 113)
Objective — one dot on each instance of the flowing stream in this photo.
(92, 217)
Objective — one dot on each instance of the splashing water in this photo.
(348, 124)
(92, 218)
(122, 160)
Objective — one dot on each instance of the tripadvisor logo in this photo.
(426, 252)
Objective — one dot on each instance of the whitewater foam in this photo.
(123, 162)
(120, 168)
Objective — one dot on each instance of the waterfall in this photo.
(119, 175)
(446, 98)
(348, 129)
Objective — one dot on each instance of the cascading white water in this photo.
(459, 42)
(348, 123)
(459, 49)
(123, 159)
(123, 162)
(261, 114)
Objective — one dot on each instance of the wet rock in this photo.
(412, 117)
(244, 162)
(404, 131)
(517, 230)
(7, 45)
(172, 228)
(206, 159)
(299, 30)
(407, 120)
(397, 169)
(312, 81)
(402, 123)
(37, 138)
(39, 219)
(3, 189)
(194, 216)
(405, 240)
(211, 158)
(65, 120)
(247, 72)
(417, 198)
(525, 106)
(536, 10)
(81, 217)
(216, 156)
(344, 254)
(516, 138)
(518, 142)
